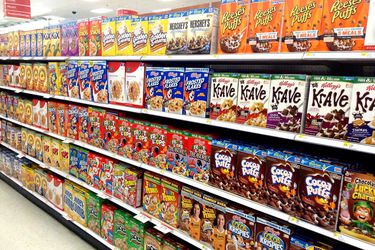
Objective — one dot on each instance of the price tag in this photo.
(47, 96)
(142, 217)
(364, 54)
(338, 236)
(204, 247)
(163, 228)
(17, 91)
(308, 54)
(216, 56)
(347, 144)
(293, 220)
(67, 141)
(162, 171)
(66, 217)
(20, 155)
(209, 121)
(169, 56)
(301, 136)
(145, 111)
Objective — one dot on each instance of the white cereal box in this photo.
(177, 33)
(135, 84)
(116, 82)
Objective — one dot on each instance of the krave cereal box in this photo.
(84, 81)
(177, 33)
(116, 82)
(99, 81)
(109, 36)
(174, 90)
(155, 77)
(140, 38)
(72, 79)
(124, 34)
(158, 27)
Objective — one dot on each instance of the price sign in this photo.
(293, 220)
(142, 217)
(301, 136)
(20, 155)
(163, 228)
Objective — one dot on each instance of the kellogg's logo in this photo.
(272, 241)
(344, 10)
(365, 102)
(263, 18)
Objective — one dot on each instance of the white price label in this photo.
(142, 217)
(163, 228)
(67, 141)
(20, 155)
(103, 196)
(17, 91)
(300, 136)
(47, 96)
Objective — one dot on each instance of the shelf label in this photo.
(103, 196)
(163, 228)
(20, 155)
(209, 121)
(364, 54)
(142, 217)
(17, 91)
(338, 236)
(308, 54)
(300, 136)
(293, 220)
(347, 144)
(216, 55)
(47, 96)
(67, 141)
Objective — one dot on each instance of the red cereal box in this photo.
(106, 231)
(141, 134)
(94, 169)
(106, 175)
(125, 128)
(62, 118)
(111, 135)
(199, 154)
(96, 133)
(83, 121)
(95, 42)
(73, 122)
(43, 114)
(158, 146)
(52, 115)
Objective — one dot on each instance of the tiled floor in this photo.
(23, 225)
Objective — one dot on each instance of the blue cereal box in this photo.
(155, 78)
(196, 92)
(99, 81)
(82, 164)
(174, 90)
(72, 79)
(84, 81)
(73, 161)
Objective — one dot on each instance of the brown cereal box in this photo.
(202, 31)
(140, 38)
(177, 33)
(344, 24)
(252, 100)
(265, 26)
(170, 200)
(153, 239)
(116, 82)
(158, 27)
(124, 34)
(83, 37)
(95, 36)
(234, 15)
(29, 76)
(109, 36)
(152, 191)
(135, 84)
(302, 26)
(36, 115)
(224, 91)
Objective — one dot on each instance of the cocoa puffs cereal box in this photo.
(234, 15)
(124, 34)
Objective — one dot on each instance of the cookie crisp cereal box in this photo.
(177, 33)
(158, 26)
(124, 34)
(140, 38)
(93, 212)
(109, 36)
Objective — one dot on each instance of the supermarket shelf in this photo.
(107, 58)
(340, 56)
(62, 213)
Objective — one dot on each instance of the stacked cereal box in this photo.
(116, 82)
(99, 81)
(109, 36)
(140, 38)
(95, 36)
(83, 37)
(173, 90)
(177, 33)
(155, 88)
(124, 34)
(135, 84)
(158, 26)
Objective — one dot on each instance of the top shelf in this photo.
(361, 56)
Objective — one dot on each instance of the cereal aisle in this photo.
(223, 125)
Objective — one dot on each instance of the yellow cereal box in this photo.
(140, 36)
(43, 78)
(79, 204)
(55, 34)
(33, 42)
(109, 36)
(124, 35)
(47, 151)
(68, 193)
(63, 76)
(55, 153)
(54, 78)
(64, 157)
(35, 79)
(158, 27)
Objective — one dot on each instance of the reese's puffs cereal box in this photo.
(152, 190)
(233, 26)
(302, 25)
(344, 24)
(170, 200)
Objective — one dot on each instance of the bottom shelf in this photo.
(83, 232)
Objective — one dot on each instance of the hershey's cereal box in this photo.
(202, 31)
(328, 106)
(174, 90)
(287, 102)
(223, 98)
(155, 78)
(253, 97)
(177, 33)
(361, 126)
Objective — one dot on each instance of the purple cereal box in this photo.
(72, 79)
(174, 90)
(84, 70)
(154, 88)
(99, 81)
(196, 92)
(65, 39)
(73, 39)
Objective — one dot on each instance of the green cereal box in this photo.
(94, 212)
(119, 231)
(135, 234)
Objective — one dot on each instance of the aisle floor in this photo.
(23, 225)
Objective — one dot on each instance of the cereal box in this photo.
(116, 82)
(174, 90)
(119, 181)
(33, 42)
(109, 36)
(73, 121)
(252, 100)
(62, 118)
(234, 16)
(96, 133)
(99, 81)
(361, 126)
(63, 91)
(40, 42)
(199, 151)
(83, 37)
(135, 84)
(36, 115)
(155, 77)
(30, 143)
(224, 92)
(120, 219)
(73, 161)
(83, 121)
(65, 39)
(64, 157)
(106, 176)
(140, 37)
(111, 135)
(344, 25)
(38, 147)
(68, 193)
(55, 153)
(95, 41)
(52, 117)
(79, 201)
(357, 206)
(265, 30)
(135, 234)
(54, 44)
(82, 164)
(271, 234)
(107, 219)
(302, 26)
(158, 26)
(126, 140)
(72, 79)
(94, 169)
(187, 201)
(54, 78)
(153, 239)
(223, 165)
(196, 92)
(94, 212)
(141, 134)
(47, 150)
(288, 101)
(84, 82)
(177, 152)
(22, 79)
(170, 200)
(202, 31)
(133, 186)
(177, 33)
(152, 194)
(158, 146)
(73, 39)
(55, 190)
(209, 215)
(328, 107)
(29, 76)
(35, 79)
(124, 34)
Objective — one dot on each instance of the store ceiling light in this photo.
(162, 10)
(101, 10)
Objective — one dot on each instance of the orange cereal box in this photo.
(140, 36)
(109, 36)
(83, 37)
(302, 25)
(170, 200)
(152, 194)
(124, 34)
(344, 24)
(234, 16)
(158, 26)
(95, 42)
